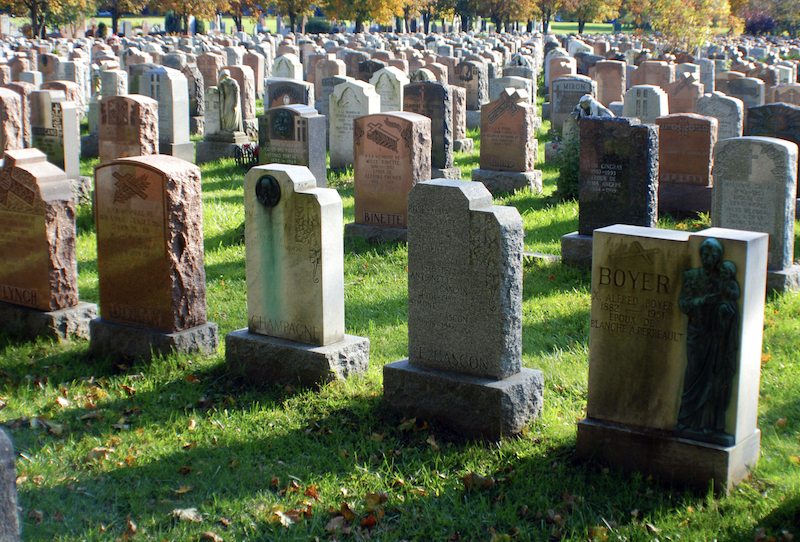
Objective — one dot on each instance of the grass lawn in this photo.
(180, 449)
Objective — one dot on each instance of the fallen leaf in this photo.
(795, 460)
(185, 470)
(311, 491)
(760, 536)
(98, 453)
(188, 514)
(432, 441)
(277, 515)
(225, 521)
(90, 415)
(377, 438)
(652, 528)
(63, 401)
(58, 516)
(130, 528)
(781, 422)
(37, 515)
(765, 357)
(213, 537)
(369, 521)
(191, 379)
(473, 480)
(375, 500)
(183, 489)
(192, 425)
(21, 479)
(523, 511)
(406, 425)
(338, 524)
(598, 533)
(347, 512)
(274, 482)
(129, 390)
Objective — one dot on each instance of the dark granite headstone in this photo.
(779, 120)
(294, 134)
(435, 101)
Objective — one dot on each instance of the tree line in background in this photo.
(686, 23)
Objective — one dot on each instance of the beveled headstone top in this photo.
(508, 126)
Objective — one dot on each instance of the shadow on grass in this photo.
(225, 239)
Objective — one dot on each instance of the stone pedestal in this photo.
(446, 173)
(197, 125)
(463, 145)
(251, 128)
(498, 182)
(683, 200)
(785, 280)
(474, 407)
(60, 324)
(375, 234)
(473, 120)
(262, 359)
(110, 339)
(673, 461)
(576, 250)
(221, 145)
(184, 151)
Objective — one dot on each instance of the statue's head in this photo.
(710, 253)
(224, 74)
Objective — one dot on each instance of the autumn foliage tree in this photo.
(118, 8)
(183, 9)
(689, 23)
(294, 9)
(360, 11)
(590, 11)
(35, 9)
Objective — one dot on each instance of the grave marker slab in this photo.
(128, 127)
(294, 134)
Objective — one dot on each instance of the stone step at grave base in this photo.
(684, 200)
(671, 460)
(471, 406)
(446, 173)
(473, 120)
(112, 339)
(498, 182)
(60, 324)
(184, 151)
(214, 148)
(264, 359)
(197, 125)
(82, 187)
(463, 145)
(375, 234)
(576, 250)
(784, 280)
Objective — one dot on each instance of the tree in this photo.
(69, 13)
(183, 9)
(118, 8)
(294, 9)
(544, 10)
(360, 11)
(35, 9)
(687, 24)
(590, 11)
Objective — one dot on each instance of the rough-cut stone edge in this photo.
(784, 280)
(473, 120)
(375, 234)
(498, 182)
(197, 125)
(453, 173)
(9, 515)
(263, 359)
(82, 187)
(673, 461)
(576, 250)
(210, 151)
(59, 324)
(463, 145)
(471, 406)
(251, 128)
(111, 339)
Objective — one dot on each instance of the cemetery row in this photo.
(688, 306)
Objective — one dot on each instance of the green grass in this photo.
(104, 444)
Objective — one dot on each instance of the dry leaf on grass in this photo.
(473, 480)
(213, 537)
(338, 525)
(188, 514)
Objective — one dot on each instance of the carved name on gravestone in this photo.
(464, 314)
(128, 127)
(294, 134)
(674, 353)
(393, 153)
(755, 182)
(289, 91)
(567, 92)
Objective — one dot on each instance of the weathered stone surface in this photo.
(37, 223)
(9, 515)
(389, 83)
(392, 154)
(435, 101)
(474, 407)
(473, 77)
(128, 127)
(55, 130)
(349, 100)
(150, 243)
(567, 92)
(9, 133)
(260, 359)
(287, 92)
(728, 111)
(375, 234)
(59, 324)
(127, 342)
(294, 134)
(499, 182)
(508, 127)
(778, 120)
(576, 250)
(646, 103)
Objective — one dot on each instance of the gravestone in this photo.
(618, 181)
(674, 354)
(684, 93)
(610, 76)
(9, 515)
(294, 134)
(128, 127)
(327, 86)
(148, 215)
(287, 92)
(728, 111)
(464, 367)
(39, 271)
(389, 83)
(392, 154)
(287, 66)
(10, 132)
(295, 283)
(224, 130)
(171, 90)
(11, 122)
(748, 89)
(244, 76)
(462, 143)
(685, 158)
(778, 120)
(789, 94)
(646, 103)
(508, 144)
(755, 182)
(472, 76)
(435, 101)
(567, 92)
(349, 100)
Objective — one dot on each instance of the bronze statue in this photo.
(709, 298)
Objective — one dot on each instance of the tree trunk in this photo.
(426, 22)
(237, 20)
(359, 25)
(114, 21)
(292, 20)
(581, 24)
(545, 20)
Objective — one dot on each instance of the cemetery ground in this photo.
(181, 449)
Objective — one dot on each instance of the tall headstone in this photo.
(675, 353)
(11, 122)
(611, 81)
(618, 181)
(566, 93)
(435, 101)
(294, 134)
(128, 127)
(755, 182)
(170, 89)
(349, 100)
(684, 93)
(728, 111)
(778, 120)
(646, 103)
(392, 154)
(38, 270)
(295, 283)
(508, 144)
(464, 365)
(148, 215)
(389, 83)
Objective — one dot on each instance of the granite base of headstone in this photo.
(498, 182)
(184, 151)
(261, 358)
(60, 324)
(684, 200)
(675, 348)
(9, 513)
(473, 120)
(465, 145)
(464, 368)
(453, 173)
(784, 280)
(576, 250)
(197, 125)
(111, 339)
(220, 145)
(375, 234)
